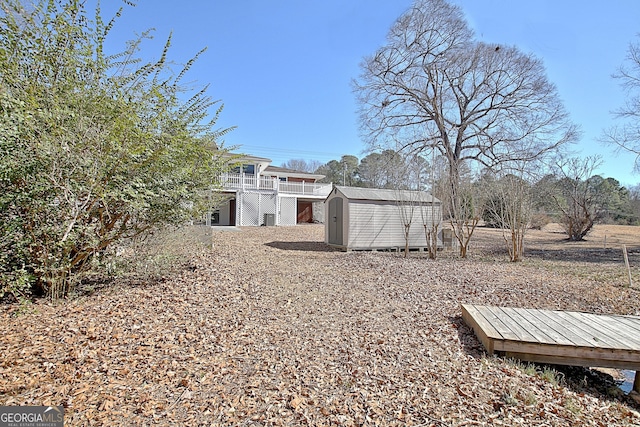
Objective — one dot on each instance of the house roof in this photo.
(379, 194)
(247, 158)
(278, 171)
(275, 170)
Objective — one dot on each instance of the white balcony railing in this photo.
(236, 181)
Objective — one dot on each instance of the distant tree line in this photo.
(388, 169)
(569, 193)
(572, 196)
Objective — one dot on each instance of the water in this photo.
(627, 385)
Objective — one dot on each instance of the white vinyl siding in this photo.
(372, 218)
(379, 225)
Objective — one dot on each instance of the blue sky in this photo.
(283, 68)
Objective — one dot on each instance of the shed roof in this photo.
(379, 194)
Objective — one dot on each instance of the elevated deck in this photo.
(312, 190)
(558, 337)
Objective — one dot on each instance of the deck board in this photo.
(559, 337)
(499, 324)
(597, 326)
(538, 334)
(517, 331)
(559, 334)
(632, 323)
(584, 326)
(631, 337)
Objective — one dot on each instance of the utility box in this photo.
(269, 220)
(449, 240)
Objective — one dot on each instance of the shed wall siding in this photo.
(379, 225)
(374, 223)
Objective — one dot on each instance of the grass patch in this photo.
(571, 406)
(530, 399)
(544, 372)
(551, 376)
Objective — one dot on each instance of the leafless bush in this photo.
(151, 258)
(539, 221)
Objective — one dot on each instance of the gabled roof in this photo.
(383, 195)
(276, 170)
(247, 158)
(244, 158)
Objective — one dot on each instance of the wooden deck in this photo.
(558, 337)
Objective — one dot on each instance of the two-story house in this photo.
(257, 193)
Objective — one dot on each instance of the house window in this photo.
(247, 169)
(215, 217)
(283, 179)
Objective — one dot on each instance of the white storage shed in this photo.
(373, 219)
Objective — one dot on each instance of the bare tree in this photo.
(634, 203)
(578, 196)
(465, 213)
(509, 206)
(433, 86)
(627, 134)
(302, 165)
(407, 202)
(407, 178)
(431, 215)
(469, 204)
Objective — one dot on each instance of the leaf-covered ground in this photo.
(272, 328)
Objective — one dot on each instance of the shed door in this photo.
(335, 221)
(232, 212)
(305, 212)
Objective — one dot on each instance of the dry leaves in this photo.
(275, 329)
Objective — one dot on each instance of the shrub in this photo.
(539, 221)
(94, 149)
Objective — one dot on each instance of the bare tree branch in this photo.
(433, 86)
(626, 134)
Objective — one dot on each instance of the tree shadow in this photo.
(99, 284)
(596, 383)
(470, 343)
(303, 246)
(590, 255)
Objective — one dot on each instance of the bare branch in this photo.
(433, 86)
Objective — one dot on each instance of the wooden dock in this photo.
(558, 337)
